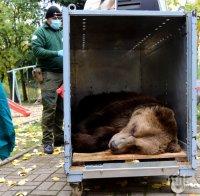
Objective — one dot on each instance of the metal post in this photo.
(14, 81)
(67, 97)
(116, 4)
(13, 85)
(194, 93)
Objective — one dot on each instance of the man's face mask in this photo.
(55, 24)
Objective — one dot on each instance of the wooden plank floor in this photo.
(108, 156)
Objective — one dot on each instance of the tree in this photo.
(18, 20)
(78, 3)
(188, 7)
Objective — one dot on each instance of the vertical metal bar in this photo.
(116, 4)
(194, 93)
(67, 96)
(191, 93)
(188, 87)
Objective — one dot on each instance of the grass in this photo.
(32, 92)
(27, 136)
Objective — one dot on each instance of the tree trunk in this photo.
(25, 97)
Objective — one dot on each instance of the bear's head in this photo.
(145, 122)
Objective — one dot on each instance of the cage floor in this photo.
(108, 156)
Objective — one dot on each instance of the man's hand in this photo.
(60, 53)
(37, 74)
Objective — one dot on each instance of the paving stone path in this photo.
(39, 174)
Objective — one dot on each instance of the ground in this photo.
(28, 130)
(35, 173)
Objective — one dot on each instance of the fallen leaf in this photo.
(61, 164)
(159, 185)
(24, 171)
(33, 167)
(167, 183)
(135, 161)
(16, 162)
(35, 140)
(40, 153)
(27, 156)
(11, 183)
(156, 186)
(58, 150)
(35, 151)
(55, 179)
(2, 180)
(21, 194)
(22, 182)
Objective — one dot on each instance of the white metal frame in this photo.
(14, 81)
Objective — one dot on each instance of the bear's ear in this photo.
(166, 117)
(163, 112)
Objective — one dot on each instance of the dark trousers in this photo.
(52, 115)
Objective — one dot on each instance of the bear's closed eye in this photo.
(133, 129)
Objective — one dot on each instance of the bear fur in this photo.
(125, 123)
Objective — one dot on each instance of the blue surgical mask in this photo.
(56, 24)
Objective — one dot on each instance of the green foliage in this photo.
(78, 3)
(188, 7)
(18, 20)
(172, 3)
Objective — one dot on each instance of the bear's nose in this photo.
(113, 146)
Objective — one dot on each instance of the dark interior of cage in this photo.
(143, 54)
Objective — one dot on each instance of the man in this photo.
(47, 47)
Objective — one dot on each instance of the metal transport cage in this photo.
(151, 52)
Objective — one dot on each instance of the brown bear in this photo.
(125, 123)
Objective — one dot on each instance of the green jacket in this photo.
(46, 42)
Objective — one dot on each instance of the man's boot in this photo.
(48, 148)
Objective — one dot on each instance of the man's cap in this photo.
(53, 11)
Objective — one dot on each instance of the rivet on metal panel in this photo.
(72, 7)
(66, 142)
